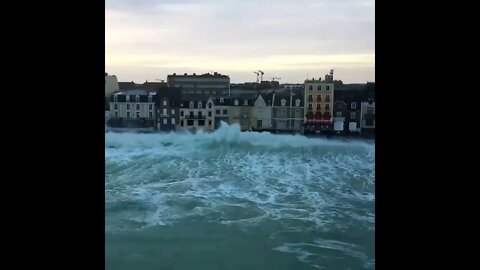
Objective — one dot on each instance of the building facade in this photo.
(262, 110)
(167, 116)
(318, 100)
(287, 111)
(134, 109)
(205, 85)
(197, 114)
(240, 112)
(221, 108)
(367, 115)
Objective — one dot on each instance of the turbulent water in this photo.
(233, 200)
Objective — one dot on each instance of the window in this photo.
(209, 122)
(319, 97)
(318, 107)
(173, 111)
(137, 98)
(191, 104)
(319, 88)
(128, 106)
(310, 87)
(150, 107)
(297, 113)
(327, 98)
(128, 114)
(209, 105)
(281, 113)
(115, 98)
(245, 102)
(327, 107)
(310, 106)
(327, 87)
(149, 98)
(201, 123)
(150, 114)
(189, 122)
(297, 102)
(199, 104)
(137, 107)
(209, 113)
(284, 102)
(217, 112)
(164, 112)
(128, 98)
(259, 123)
(221, 100)
(236, 102)
(339, 114)
(181, 123)
(353, 105)
(116, 106)
(116, 114)
(138, 114)
(181, 113)
(310, 98)
(370, 110)
(200, 114)
(369, 121)
(214, 92)
(164, 121)
(206, 92)
(353, 115)
(191, 114)
(224, 92)
(225, 112)
(173, 121)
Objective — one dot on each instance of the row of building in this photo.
(194, 102)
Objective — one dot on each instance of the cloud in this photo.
(239, 35)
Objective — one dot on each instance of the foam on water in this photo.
(238, 178)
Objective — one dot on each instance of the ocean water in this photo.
(233, 200)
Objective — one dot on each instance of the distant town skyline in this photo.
(293, 40)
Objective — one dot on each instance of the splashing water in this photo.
(238, 200)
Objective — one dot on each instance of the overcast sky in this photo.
(291, 39)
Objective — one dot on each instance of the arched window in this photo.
(137, 98)
(209, 105)
(199, 104)
(284, 102)
(191, 105)
(297, 102)
(236, 102)
(221, 100)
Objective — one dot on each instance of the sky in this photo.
(145, 40)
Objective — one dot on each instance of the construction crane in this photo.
(257, 74)
(261, 75)
(276, 78)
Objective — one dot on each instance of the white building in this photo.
(197, 114)
(132, 109)
(263, 112)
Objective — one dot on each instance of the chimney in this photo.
(194, 74)
(185, 74)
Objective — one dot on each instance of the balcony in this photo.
(195, 116)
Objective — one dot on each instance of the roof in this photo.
(350, 87)
(148, 86)
(134, 92)
(205, 75)
(186, 103)
(286, 96)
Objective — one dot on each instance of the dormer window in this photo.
(164, 102)
(221, 100)
(199, 104)
(245, 102)
(209, 105)
(284, 102)
(137, 98)
(236, 102)
(191, 105)
(150, 98)
(297, 102)
(115, 98)
(128, 98)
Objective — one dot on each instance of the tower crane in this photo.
(257, 74)
(261, 75)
